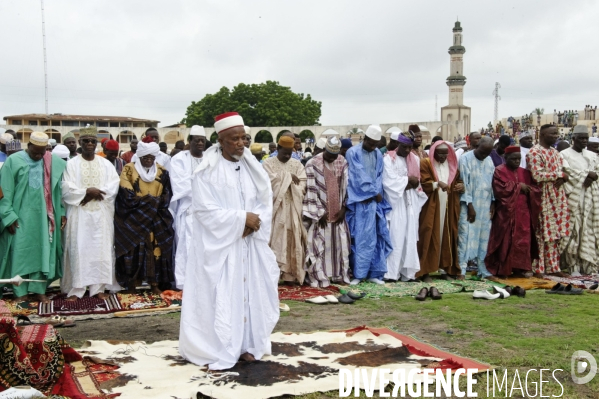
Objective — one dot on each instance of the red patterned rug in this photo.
(86, 305)
(303, 292)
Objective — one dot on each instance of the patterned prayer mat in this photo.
(531, 283)
(303, 292)
(400, 289)
(144, 300)
(299, 364)
(580, 282)
(82, 306)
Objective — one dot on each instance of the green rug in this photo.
(400, 289)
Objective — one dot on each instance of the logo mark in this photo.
(583, 362)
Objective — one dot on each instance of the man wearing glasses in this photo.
(89, 187)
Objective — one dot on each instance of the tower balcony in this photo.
(457, 80)
(457, 50)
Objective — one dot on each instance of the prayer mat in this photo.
(299, 364)
(580, 281)
(531, 283)
(60, 306)
(21, 308)
(400, 289)
(143, 300)
(303, 292)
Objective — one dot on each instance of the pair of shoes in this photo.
(322, 300)
(564, 290)
(503, 293)
(356, 296)
(594, 287)
(376, 281)
(481, 294)
(346, 299)
(517, 291)
(355, 281)
(433, 292)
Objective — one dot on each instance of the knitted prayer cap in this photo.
(286, 142)
(91, 131)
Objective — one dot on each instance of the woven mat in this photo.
(400, 289)
(532, 283)
(303, 292)
(580, 282)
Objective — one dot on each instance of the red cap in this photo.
(512, 148)
(147, 140)
(112, 145)
(105, 139)
(225, 115)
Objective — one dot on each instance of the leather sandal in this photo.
(434, 293)
(422, 294)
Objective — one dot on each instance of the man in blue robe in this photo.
(366, 209)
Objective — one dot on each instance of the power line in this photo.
(497, 98)
(45, 59)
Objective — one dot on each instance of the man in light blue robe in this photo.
(366, 209)
(477, 206)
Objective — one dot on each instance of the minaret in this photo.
(456, 79)
(456, 116)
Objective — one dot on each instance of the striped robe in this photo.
(327, 253)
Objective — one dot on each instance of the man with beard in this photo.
(417, 150)
(526, 142)
(162, 158)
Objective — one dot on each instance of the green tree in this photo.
(264, 104)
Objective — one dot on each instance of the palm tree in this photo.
(539, 112)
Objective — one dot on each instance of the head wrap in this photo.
(527, 133)
(256, 148)
(247, 129)
(346, 143)
(406, 138)
(69, 135)
(512, 148)
(395, 135)
(452, 160)
(88, 131)
(6, 138)
(144, 149)
(414, 128)
(61, 151)
(321, 143)
(197, 131)
(496, 141)
(461, 144)
(333, 145)
(52, 142)
(593, 139)
(227, 121)
(14, 145)
(580, 129)
(112, 145)
(374, 132)
(286, 142)
(38, 138)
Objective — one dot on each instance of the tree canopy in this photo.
(264, 104)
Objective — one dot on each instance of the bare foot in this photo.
(42, 298)
(427, 279)
(72, 298)
(101, 295)
(461, 277)
(492, 278)
(447, 277)
(247, 357)
(156, 290)
(21, 298)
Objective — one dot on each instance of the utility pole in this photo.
(45, 59)
(436, 108)
(497, 98)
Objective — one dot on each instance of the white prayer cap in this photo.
(144, 149)
(593, 139)
(61, 151)
(197, 131)
(374, 132)
(6, 138)
(247, 129)
(52, 142)
(526, 133)
(226, 121)
(496, 141)
(38, 138)
(395, 135)
(321, 143)
(580, 129)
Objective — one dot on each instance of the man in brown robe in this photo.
(438, 230)
(288, 235)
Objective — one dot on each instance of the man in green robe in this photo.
(31, 218)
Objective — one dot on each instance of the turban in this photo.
(61, 151)
(227, 121)
(346, 143)
(69, 135)
(144, 149)
(460, 144)
(247, 129)
(374, 132)
(38, 138)
(580, 129)
(406, 138)
(6, 138)
(13, 146)
(512, 148)
(524, 134)
(593, 139)
(88, 131)
(333, 145)
(414, 128)
(321, 143)
(286, 142)
(52, 142)
(112, 145)
(256, 148)
(197, 131)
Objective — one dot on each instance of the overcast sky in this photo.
(376, 61)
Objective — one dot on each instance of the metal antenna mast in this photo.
(497, 98)
(436, 108)
(45, 59)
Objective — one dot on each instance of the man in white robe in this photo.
(401, 185)
(162, 158)
(526, 143)
(182, 166)
(580, 251)
(230, 301)
(89, 188)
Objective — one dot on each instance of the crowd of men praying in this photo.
(101, 221)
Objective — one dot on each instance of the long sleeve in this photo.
(7, 214)
(313, 207)
(71, 193)
(111, 182)
(280, 182)
(537, 167)
(427, 179)
(465, 174)
(394, 185)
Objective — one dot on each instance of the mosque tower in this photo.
(456, 116)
